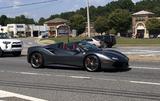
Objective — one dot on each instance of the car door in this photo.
(67, 57)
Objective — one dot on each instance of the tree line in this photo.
(4, 20)
(114, 17)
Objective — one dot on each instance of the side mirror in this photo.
(78, 50)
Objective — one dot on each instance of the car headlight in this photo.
(115, 58)
(6, 42)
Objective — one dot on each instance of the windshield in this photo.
(4, 36)
(88, 47)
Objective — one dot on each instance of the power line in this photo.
(27, 4)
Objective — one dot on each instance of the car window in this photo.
(89, 40)
(88, 47)
(4, 36)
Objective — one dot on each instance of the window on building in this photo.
(10, 26)
(19, 26)
(140, 19)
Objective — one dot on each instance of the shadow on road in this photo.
(117, 70)
(83, 69)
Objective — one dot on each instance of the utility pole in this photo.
(88, 20)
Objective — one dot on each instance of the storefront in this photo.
(139, 20)
(58, 27)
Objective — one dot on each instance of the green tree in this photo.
(41, 21)
(126, 4)
(3, 20)
(148, 5)
(120, 4)
(153, 26)
(120, 20)
(101, 25)
(23, 20)
(78, 22)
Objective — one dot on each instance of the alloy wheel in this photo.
(36, 60)
(92, 63)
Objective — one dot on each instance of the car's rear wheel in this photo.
(36, 60)
(92, 63)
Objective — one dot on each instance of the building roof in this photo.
(56, 20)
(143, 13)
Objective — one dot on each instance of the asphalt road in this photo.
(140, 83)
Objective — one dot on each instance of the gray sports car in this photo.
(81, 54)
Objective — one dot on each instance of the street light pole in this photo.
(88, 19)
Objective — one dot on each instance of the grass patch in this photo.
(120, 41)
(65, 39)
(44, 41)
(131, 41)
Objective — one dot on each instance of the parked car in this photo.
(8, 45)
(106, 40)
(43, 34)
(93, 41)
(80, 54)
(158, 36)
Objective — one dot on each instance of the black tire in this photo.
(1, 52)
(92, 63)
(17, 53)
(109, 46)
(36, 60)
(104, 45)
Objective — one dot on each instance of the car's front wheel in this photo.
(92, 63)
(36, 60)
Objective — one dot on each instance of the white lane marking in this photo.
(86, 77)
(80, 77)
(10, 94)
(30, 73)
(26, 73)
(104, 79)
(148, 83)
(148, 55)
(147, 68)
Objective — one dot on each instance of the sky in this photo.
(45, 9)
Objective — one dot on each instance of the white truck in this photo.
(8, 45)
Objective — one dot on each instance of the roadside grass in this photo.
(65, 39)
(137, 42)
(120, 41)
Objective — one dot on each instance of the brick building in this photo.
(57, 27)
(139, 20)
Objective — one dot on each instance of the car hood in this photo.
(10, 40)
(114, 55)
